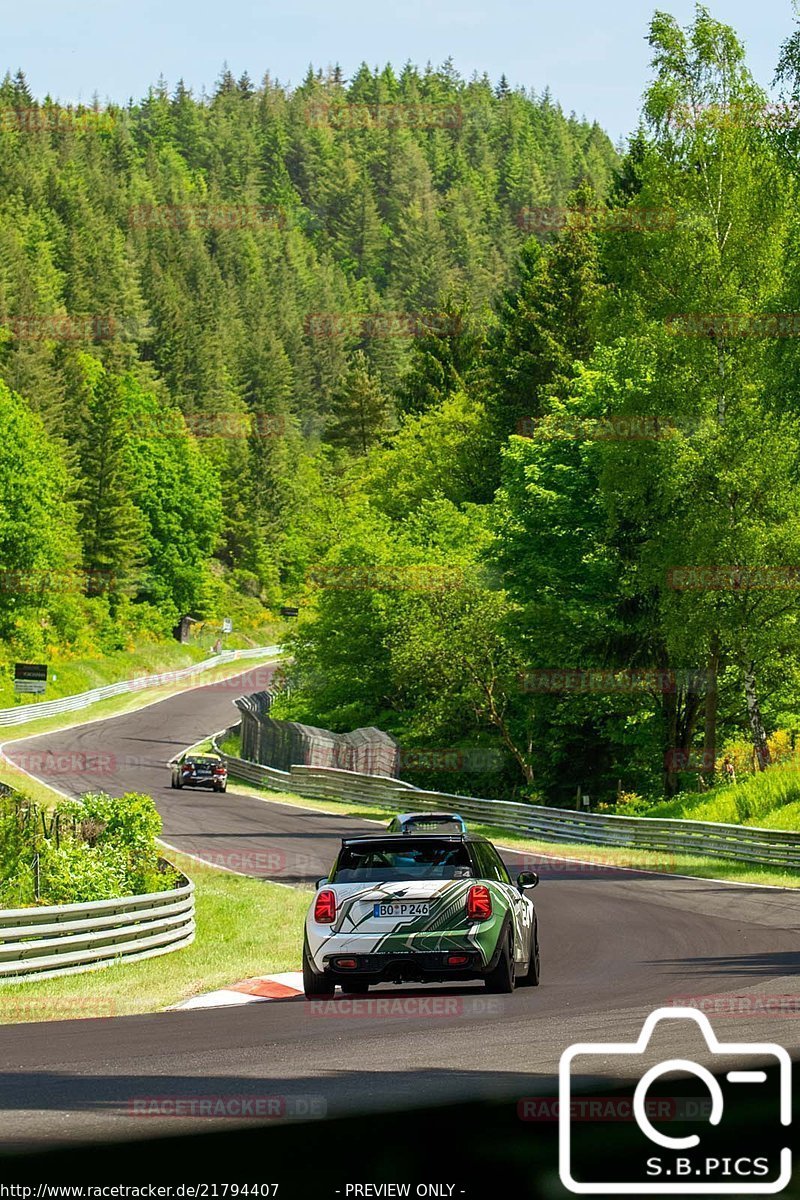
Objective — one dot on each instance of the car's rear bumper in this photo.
(409, 966)
(203, 782)
(405, 966)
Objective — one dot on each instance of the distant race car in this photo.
(405, 908)
(200, 770)
(427, 822)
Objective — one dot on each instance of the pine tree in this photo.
(111, 526)
(360, 410)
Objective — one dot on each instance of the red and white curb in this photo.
(249, 991)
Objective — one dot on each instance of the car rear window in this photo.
(431, 826)
(202, 762)
(381, 862)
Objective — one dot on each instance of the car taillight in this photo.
(325, 907)
(187, 770)
(479, 903)
(220, 770)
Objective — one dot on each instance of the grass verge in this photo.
(660, 861)
(245, 927)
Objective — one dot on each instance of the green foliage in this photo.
(605, 440)
(94, 848)
(190, 290)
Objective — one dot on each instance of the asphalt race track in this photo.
(615, 945)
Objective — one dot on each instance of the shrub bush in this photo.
(94, 848)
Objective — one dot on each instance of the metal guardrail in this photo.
(63, 939)
(20, 714)
(708, 839)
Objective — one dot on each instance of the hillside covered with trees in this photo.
(201, 297)
(511, 417)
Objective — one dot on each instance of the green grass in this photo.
(245, 927)
(672, 864)
(232, 745)
(770, 799)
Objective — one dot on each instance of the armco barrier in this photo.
(771, 847)
(49, 708)
(63, 939)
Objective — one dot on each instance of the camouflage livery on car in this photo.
(418, 928)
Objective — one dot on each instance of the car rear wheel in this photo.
(531, 976)
(501, 978)
(178, 783)
(313, 984)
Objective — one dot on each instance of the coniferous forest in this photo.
(509, 413)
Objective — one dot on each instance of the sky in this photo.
(593, 55)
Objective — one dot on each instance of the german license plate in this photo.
(405, 908)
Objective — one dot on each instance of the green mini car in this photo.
(404, 908)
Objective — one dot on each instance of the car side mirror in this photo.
(527, 879)
(320, 882)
